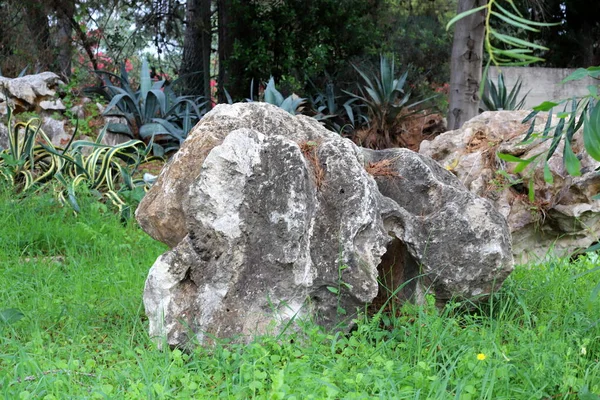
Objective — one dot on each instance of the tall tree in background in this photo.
(226, 40)
(65, 12)
(195, 64)
(466, 64)
(38, 25)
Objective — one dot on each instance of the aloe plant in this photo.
(153, 111)
(385, 98)
(496, 97)
(25, 162)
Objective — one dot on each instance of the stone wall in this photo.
(544, 83)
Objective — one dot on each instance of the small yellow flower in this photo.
(481, 356)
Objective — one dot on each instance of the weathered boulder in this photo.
(563, 217)
(266, 238)
(272, 217)
(30, 93)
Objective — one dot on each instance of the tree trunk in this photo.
(39, 28)
(197, 48)
(64, 11)
(465, 64)
(225, 47)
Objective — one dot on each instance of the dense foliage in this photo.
(294, 41)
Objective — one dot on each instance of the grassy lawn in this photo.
(79, 281)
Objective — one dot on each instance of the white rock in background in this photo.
(563, 219)
(29, 92)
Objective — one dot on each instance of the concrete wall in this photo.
(543, 83)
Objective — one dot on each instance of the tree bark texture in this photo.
(65, 11)
(39, 28)
(465, 64)
(195, 64)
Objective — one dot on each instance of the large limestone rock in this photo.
(271, 217)
(563, 217)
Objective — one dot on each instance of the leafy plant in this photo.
(385, 98)
(273, 96)
(576, 113)
(106, 170)
(25, 162)
(497, 97)
(31, 161)
(10, 316)
(338, 117)
(153, 112)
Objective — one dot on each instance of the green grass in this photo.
(84, 333)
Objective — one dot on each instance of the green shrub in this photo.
(336, 112)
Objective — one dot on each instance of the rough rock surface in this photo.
(160, 213)
(3, 136)
(563, 217)
(56, 131)
(272, 217)
(457, 242)
(31, 93)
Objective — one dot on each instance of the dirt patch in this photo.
(408, 132)
(397, 279)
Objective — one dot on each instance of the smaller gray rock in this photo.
(78, 111)
(56, 131)
(565, 216)
(28, 91)
(3, 136)
(456, 241)
(52, 105)
(114, 139)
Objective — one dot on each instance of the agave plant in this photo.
(497, 97)
(385, 98)
(335, 116)
(153, 111)
(31, 161)
(25, 162)
(273, 96)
